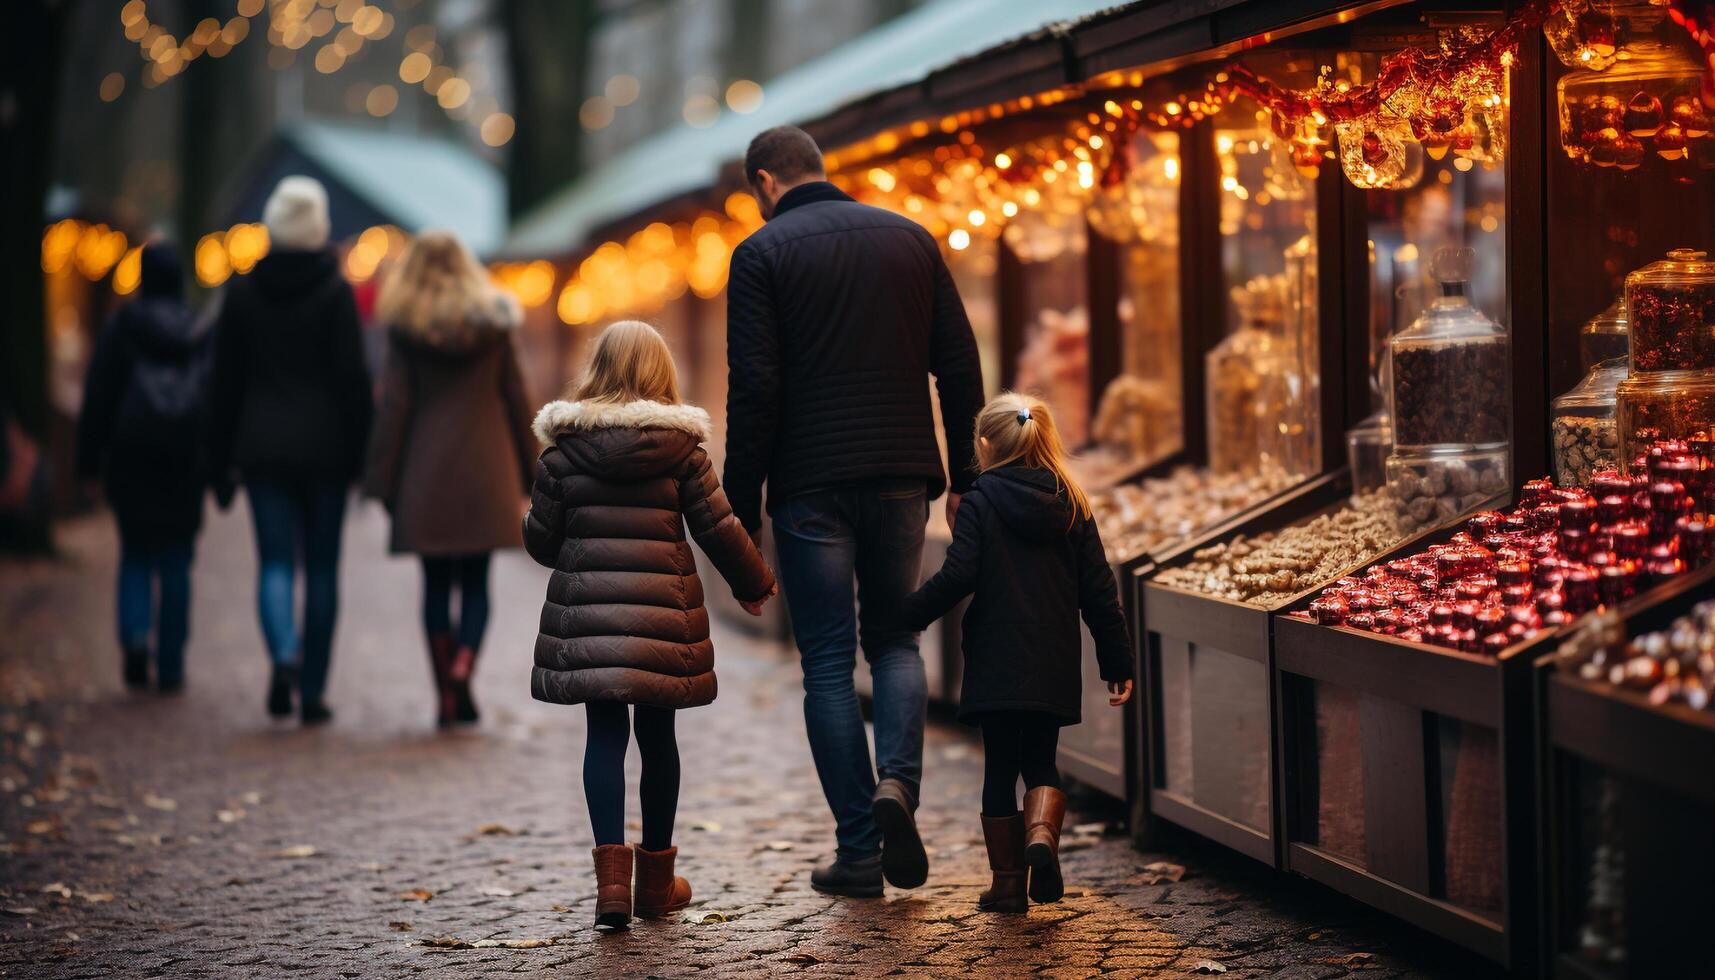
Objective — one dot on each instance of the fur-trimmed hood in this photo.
(564, 418)
(489, 322)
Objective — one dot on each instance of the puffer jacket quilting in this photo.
(614, 492)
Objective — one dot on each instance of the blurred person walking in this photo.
(622, 475)
(837, 314)
(141, 432)
(291, 412)
(452, 455)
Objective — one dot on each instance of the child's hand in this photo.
(754, 606)
(1119, 692)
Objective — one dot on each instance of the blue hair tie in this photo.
(1023, 415)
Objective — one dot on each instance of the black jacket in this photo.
(1032, 569)
(291, 393)
(836, 314)
(151, 463)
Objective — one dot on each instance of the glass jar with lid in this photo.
(1670, 392)
(1605, 336)
(1367, 447)
(1584, 436)
(1450, 402)
(1645, 105)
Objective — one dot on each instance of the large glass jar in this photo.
(1605, 336)
(1451, 403)
(1646, 103)
(1584, 437)
(1670, 392)
(1238, 369)
(1368, 445)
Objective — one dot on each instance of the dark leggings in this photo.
(604, 772)
(1017, 743)
(471, 574)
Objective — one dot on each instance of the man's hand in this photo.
(952, 510)
(754, 607)
(1119, 692)
(756, 537)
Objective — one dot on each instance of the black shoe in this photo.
(170, 688)
(136, 668)
(852, 879)
(902, 858)
(314, 713)
(280, 688)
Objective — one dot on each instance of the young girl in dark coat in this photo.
(623, 473)
(1025, 546)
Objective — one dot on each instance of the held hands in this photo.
(1119, 692)
(952, 511)
(754, 607)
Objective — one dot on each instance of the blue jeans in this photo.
(166, 616)
(298, 522)
(872, 533)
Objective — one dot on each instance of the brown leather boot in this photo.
(459, 672)
(441, 659)
(659, 891)
(612, 886)
(1044, 811)
(1005, 839)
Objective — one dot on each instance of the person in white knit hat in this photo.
(290, 418)
(297, 214)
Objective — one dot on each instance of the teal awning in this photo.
(406, 177)
(686, 159)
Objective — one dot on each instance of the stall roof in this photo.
(406, 176)
(683, 159)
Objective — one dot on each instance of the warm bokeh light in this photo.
(415, 67)
(701, 111)
(382, 100)
(498, 128)
(128, 274)
(622, 90)
(595, 113)
(744, 96)
(112, 86)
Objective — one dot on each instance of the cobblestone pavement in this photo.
(194, 837)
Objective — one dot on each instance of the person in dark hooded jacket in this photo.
(141, 433)
(1025, 547)
(290, 419)
(452, 455)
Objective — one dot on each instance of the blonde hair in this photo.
(1018, 428)
(630, 363)
(436, 284)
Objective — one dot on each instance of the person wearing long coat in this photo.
(141, 433)
(452, 455)
(292, 409)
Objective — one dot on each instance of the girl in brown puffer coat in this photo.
(623, 473)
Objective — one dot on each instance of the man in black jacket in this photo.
(837, 313)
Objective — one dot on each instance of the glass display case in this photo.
(1451, 399)
(1646, 103)
(1670, 392)
(1584, 438)
(1606, 335)
(1054, 358)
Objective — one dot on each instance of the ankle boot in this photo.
(1044, 811)
(441, 660)
(1005, 839)
(659, 891)
(458, 681)
(612, 886)
(136, 667)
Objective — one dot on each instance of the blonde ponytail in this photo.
(1018, 428)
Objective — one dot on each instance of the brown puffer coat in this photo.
(624, 620)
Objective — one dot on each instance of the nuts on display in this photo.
(1584, 444)
(1675, 665)
(1268, 568)
(1450, 394)
(1428, 492)
(1137, 518)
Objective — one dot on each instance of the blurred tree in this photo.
(548, 45)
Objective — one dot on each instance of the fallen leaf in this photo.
(703, 918)
(1207, 966)
(445, 942)
(496, 830)
(562, 909)
(399, 926)
(298, 851)
(165, 803)
(415, 895)
(1157, 872)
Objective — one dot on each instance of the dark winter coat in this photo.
(624, 620)
(452, 455)
(291, 393)
(837, 313)
(1032, 569)
(153, 467)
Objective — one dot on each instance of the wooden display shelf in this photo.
(1406, 774)
(1205, 759)
(1633, 785)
